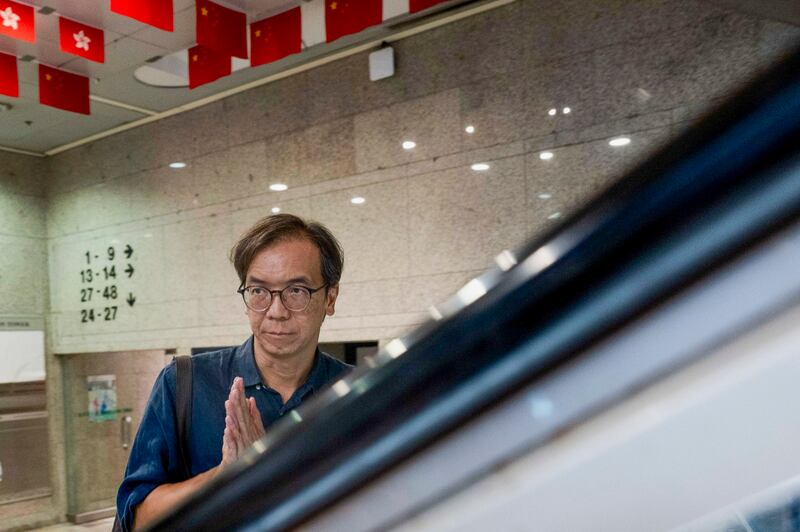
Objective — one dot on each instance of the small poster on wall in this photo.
(102, 397)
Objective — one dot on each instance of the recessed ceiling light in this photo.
(276, 210)
(546, 155)
(566, 110)
(409, 144)
(554, 216)
(278, 187)
(480, 167)
(5, 106)
(470, 129)
(552, 112)
(177, 165)
(357, 200)
(545, 195)
(619, 141)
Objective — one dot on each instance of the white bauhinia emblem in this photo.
(10, 19)
(81, 40)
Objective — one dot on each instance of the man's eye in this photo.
(295, 290)
(256, 291)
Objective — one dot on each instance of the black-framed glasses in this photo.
(294, 297)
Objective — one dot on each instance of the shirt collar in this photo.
(244, 365)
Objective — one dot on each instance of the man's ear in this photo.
(330, 299)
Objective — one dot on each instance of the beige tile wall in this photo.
(638, 67)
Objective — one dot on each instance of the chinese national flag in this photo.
(206, 66)
(420, 5)
(80, 39)
(343, 17)
(9, 80)
(17, 20)
(221, 29)
(275, 37)
(63, 90)
(157, 13)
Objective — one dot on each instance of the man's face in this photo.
(279, 332)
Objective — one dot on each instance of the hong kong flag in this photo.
(276, 37)
(17, 20)
(206, 66)
(9, 80)
(420, 5)
(156, 13)
(344, 17)
(82, 40)
(63, 90)
(221, 29)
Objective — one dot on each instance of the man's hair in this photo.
(282, 227)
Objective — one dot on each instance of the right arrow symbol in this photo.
(129, 270)
(131, 300)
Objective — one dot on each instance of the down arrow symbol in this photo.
(131, 300)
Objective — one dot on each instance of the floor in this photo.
(101, 525)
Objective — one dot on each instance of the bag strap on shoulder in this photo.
(183, 410)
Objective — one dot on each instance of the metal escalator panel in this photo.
(701, 203)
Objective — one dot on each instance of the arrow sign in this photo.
(129, 270)
(128, 251)
(131, 300)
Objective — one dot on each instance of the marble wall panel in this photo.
(432, 122)
(374, 235)
(23, 275)
(494, 107)
(22, 215)
(74, 168)
(268, 110)
(460, 219)
(22, 174)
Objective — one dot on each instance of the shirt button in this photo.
(258, 386)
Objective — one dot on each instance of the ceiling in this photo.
(119, 99)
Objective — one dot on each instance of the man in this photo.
(289, 271)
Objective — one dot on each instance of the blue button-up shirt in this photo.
(154, 455)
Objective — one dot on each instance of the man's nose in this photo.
(276, 308)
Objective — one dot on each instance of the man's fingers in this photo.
(255, 415)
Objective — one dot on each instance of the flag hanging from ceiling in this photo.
(63, 90)
(156, 13)
(275, 37)
(207, 65)
(419, 5)
(221, 29)
(80, 39)
(344, 17)
(9, 80)
(17, 20)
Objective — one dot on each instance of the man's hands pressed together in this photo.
(243, 424)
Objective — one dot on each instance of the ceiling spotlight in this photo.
(554, 216)
(566, 110)
(276, 210)
(357, 200)
(177, 165)
(480, 167)
(546, 155)
(545, 195)
(552, 112)
(409, 144)
(278, 187)
(619, 141)
(470, 129)
(5, 106)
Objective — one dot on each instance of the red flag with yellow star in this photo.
(419, 5)
(63, 90)
(221, 29)
(276, 37)
(206, 65)
(156, 13)
(344, 17)
(9, 79)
